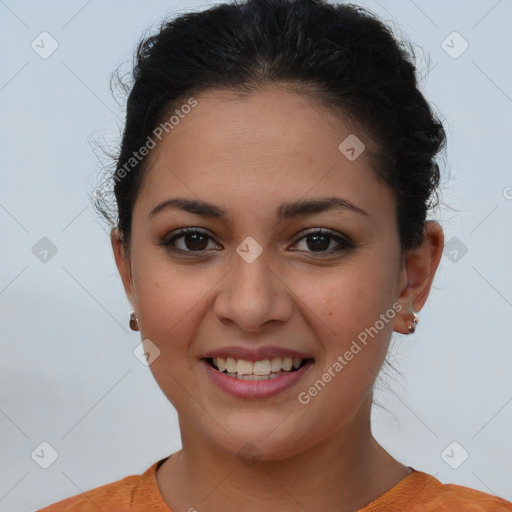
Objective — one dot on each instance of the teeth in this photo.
(276, 364)
(230, 364)
(254, 377)
(221, 363)
(287, 363)
(270, 376)
(261, 368)
(243, 367)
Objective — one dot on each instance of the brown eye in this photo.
(319, 241)
(195, 241)
(189, 240)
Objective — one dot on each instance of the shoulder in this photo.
(433, 495)
(118, 496)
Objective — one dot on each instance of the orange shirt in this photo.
(417, 492)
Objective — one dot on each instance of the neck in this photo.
(343, 473)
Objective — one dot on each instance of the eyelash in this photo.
(344, 241)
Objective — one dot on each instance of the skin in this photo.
(247, 155)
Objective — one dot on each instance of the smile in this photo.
(265, 369)
(255, 379)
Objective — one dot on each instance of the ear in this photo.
(123, 263)
(418, 270)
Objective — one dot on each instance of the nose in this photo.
(252, 295)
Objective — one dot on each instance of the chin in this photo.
(250, 443)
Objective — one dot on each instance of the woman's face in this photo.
(258, 158)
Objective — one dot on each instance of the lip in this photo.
(255, 388)
(255, 353)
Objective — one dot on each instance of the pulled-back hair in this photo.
(341, 55)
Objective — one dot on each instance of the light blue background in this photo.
(68, 375)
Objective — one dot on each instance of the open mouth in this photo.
(259, 370)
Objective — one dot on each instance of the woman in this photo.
(272, 190)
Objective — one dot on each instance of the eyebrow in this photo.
(285, 210)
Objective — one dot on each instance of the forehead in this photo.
(269, 143)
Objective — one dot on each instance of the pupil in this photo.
(316, 238)
(195, 237)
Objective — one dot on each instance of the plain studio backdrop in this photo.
(75, 398)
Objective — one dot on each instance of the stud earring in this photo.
(134, 321)
(412, 328)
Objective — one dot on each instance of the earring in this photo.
(134, 321)
(412, 327)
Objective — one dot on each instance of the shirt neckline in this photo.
(147, 488)
(385, 501)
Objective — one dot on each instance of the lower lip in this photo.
(255, 388)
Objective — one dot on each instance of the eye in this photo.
(320, 240)
(192, 240)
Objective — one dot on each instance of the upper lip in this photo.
(255, 354)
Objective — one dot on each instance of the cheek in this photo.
(168, 307)
(346, 310)
(349, 299)
(171, 306)
(170, 300)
